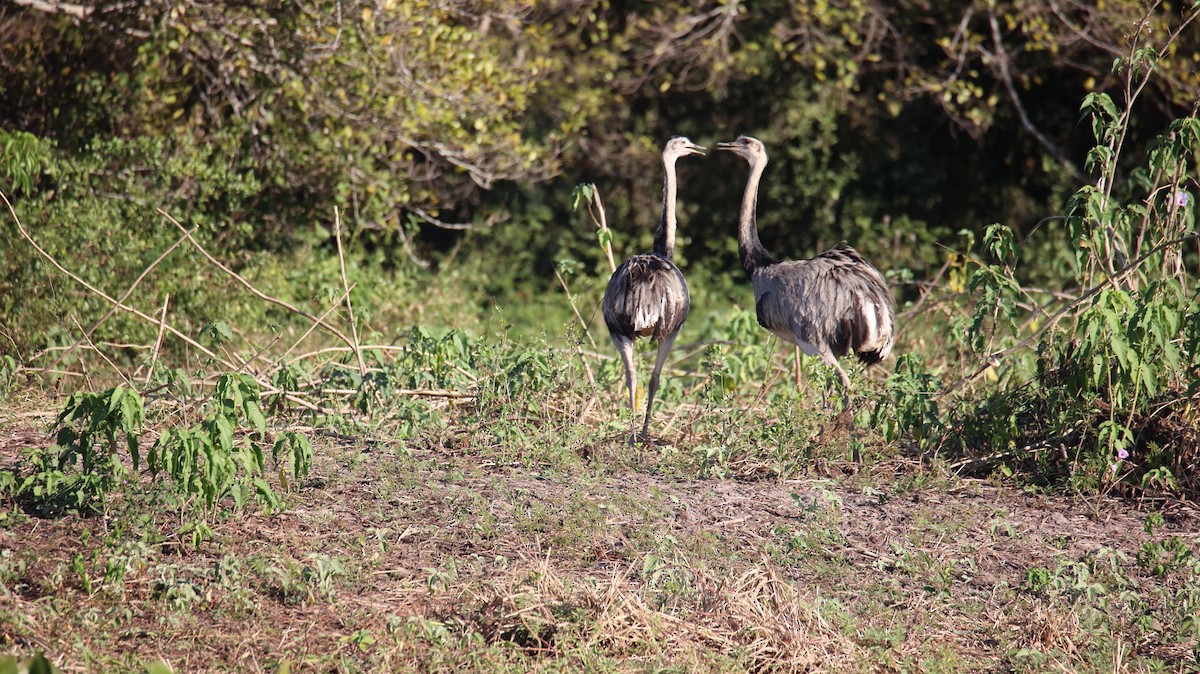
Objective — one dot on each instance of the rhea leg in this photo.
(796, 363)
(625, 349)
(832, 360)
(844, 419)
(664, 347)
(845, 385)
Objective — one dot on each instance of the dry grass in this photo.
(767, 621)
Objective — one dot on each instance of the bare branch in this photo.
(275, 365)
(103, 295)
(260, 294)
(87, 335)
(408, 248)
(1001, 59)
(420, 213)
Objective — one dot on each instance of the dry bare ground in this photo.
(433, 559)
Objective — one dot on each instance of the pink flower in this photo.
(1122, 454)
(1182, 199)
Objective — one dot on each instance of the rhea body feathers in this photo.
(647, 295)
(835, 301)
(649, 298)
(829, 306)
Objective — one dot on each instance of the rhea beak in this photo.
(727, 145)
(697, 149)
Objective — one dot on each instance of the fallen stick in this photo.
(87, 335)
(249, 286)
(103, 295)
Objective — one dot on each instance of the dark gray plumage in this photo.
(647, 295)
(831, 305)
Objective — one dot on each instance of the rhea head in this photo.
(678, 147)
(747, 147)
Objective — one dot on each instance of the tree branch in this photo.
(1001, 59)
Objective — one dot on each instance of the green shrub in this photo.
(207, 459)
(83, 465)
(1105, 400)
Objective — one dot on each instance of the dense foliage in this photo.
(900, 123)
(1043, 253)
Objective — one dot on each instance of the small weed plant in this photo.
(79, 470)
(98, 448)
(209, 461)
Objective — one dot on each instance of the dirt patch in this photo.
(15, 441)
(377, 540)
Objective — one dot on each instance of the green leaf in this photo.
(256, 457)
(219, 332)
(254, 415)
(240, 494)
(582, 192)
(38, 664)
(266, 495)
(131, 412)
(1150, 380)
(999, 241)
(158, 667)
(224, 436)
(114, 398)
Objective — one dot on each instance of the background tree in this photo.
(452, 131)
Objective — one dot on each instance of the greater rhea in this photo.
(831, 305)
(647, 296)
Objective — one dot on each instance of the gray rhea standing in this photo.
(831, 305)
(647, 296)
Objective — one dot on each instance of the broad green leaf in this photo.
(254, 415)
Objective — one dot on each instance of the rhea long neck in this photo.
(750, 248)
(664, 236)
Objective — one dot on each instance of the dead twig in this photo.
(54, 6)
(258, 293)
(87, 335)
(371, 347)
(266, 388)
(571, 300)
(103, 357)
(162, 324)
(587, 406)
(103, 295)
(275, 365)
(337, 235)
(407, 392)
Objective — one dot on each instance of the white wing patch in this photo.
(879, 337)
(648, 315)
(868, 311)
